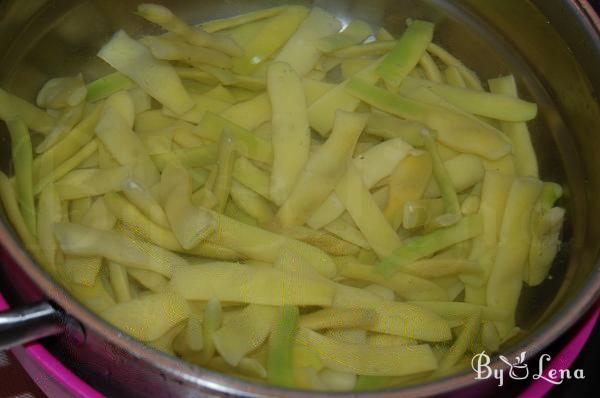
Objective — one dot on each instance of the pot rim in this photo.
(174, 368)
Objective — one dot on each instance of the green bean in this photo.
(22, 155)
(406, 54)
(281, 340)
(156, 77)
(12, 107)
(425, 245)
(356, 32)
(454, 129)
(301, 51)
(163, 17)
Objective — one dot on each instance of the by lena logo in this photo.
(519, 370)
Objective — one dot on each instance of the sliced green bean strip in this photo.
(454, 129)
(106, 86)
(163, 17)
(425, 245)
(12, 107)
(406, 54)
(279, 357)
(441, 175)
(22, 155)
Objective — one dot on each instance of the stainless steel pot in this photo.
(553, 46)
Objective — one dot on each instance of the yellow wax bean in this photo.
(79, 240)
(125, 146)
(439, 267)
(22, 155)
(85, 183)
(454, 78)
(374, 165)
(497, 106)
(163, 17)
(130, 216)
(249, 175)
(252, 203)
(227, 23)
(67, 147)
(546, 224)
(356, 32)
(468, 75)
(49, 213)
(347, 231)
(98, 216)
(464, 171)
(244, 331)
(246, 82)
(300, 51)
(270, 38)
(352, 66)
(108, 85)
(151, 280)
(65, 123)
(369, 360)
(315, 89)
(171, 49)
(259, 244)
(149, 317)
(454, 129)
(82, 270)
(190, 224)
(11, 207)
(525, 158)
(407, 286)
(366, 214)
(408, 182)
(504, 285)
(387, 126)
(432, 72)
(394, 317)
(322, 240)
(254, 285)
(224, 177)
(212, 126)
(190, 157)
(202, 104)
(442, 176)
(425, 245)
(36, 119)
(249, 114)
(122, 104)
(324, 169)
(213, 317)
(166, 342)
(337, 318)
(460, 311)
(383, 34)
(141, 197)
(322, 112)
(387, 340)
(406, 53)
(119, 282)
(63, 169)
(365, 50)
(291, 131)
(156, 77)
(466, 338)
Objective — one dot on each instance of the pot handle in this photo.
(28, 323)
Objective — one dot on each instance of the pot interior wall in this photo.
(62, 37)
